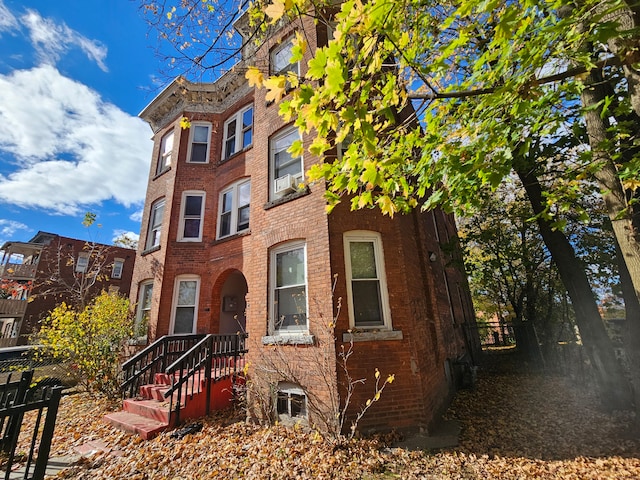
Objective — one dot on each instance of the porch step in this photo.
(150, 413)
(151, 409)
(147, 428)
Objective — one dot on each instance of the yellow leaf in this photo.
(377, 373)
(391, 378)
(185, 123)
(293, 80)
(631, 184)
(254, 77)
(386, 205)
(276, 87)
(275, 10)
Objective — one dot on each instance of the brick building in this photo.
(234, 240)
(37, 275)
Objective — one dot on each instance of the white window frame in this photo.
(184, 217)
(288, 390)
(238, 134)
(175, 305)
(155, 229)
(286, 44)
(192, 131)
(117, 268)
(376, 239)
(234, 191)
(273, 309)
(274, 149)
(143, 310)
(82, 262)
(166, 152)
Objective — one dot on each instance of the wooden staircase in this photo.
(158, 396)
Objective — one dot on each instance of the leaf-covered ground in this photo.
(514, 426)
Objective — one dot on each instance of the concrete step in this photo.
(149, 391)
(152, 409)
(147, 428)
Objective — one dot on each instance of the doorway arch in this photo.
(233, 304)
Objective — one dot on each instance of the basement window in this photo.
(291, 403)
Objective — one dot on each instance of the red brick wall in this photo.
(418, 310)
(418, 299)
(62, 251)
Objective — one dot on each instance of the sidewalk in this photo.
(54, 466)
(58, 464)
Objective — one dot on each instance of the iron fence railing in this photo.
(214, 356)
(17, 398)
(34, 357)
(141, 368)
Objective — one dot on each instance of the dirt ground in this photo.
(516, 424)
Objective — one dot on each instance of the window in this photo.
(238, 132)
(234, 209)
(285, 170)
(288, 290)
(366, 284)
(166, 149)
(185, 301)
(116, 270)
(155, 224)
(191, 217)
(199, 143)
(291, 403)
(82, 262)
(281, 59)
(144, 309)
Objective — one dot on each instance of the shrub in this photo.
(92, 340)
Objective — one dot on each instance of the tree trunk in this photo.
(631, 339)
(615, 392)
(613, 193)
(626, 47)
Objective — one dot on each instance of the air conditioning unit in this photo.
(285, 184)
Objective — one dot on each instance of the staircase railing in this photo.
(141, 368)
(214, 355)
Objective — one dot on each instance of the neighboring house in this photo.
(37, 275)
(231, 241)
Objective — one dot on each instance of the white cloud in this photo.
(73, 149)
(8, 229)
(51, 40)
(136, 216)
(7, 21)
(133, 237)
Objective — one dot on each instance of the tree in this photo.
(509, 268)
(478, 68)
(91, 339)
(438, 103)
(517, 60)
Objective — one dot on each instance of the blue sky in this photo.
(74, 74)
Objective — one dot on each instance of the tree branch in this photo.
(572, 72)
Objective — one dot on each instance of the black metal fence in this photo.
(214, 355)
(495, 334)
(14, 360)
(17, 398)
(142, 367)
